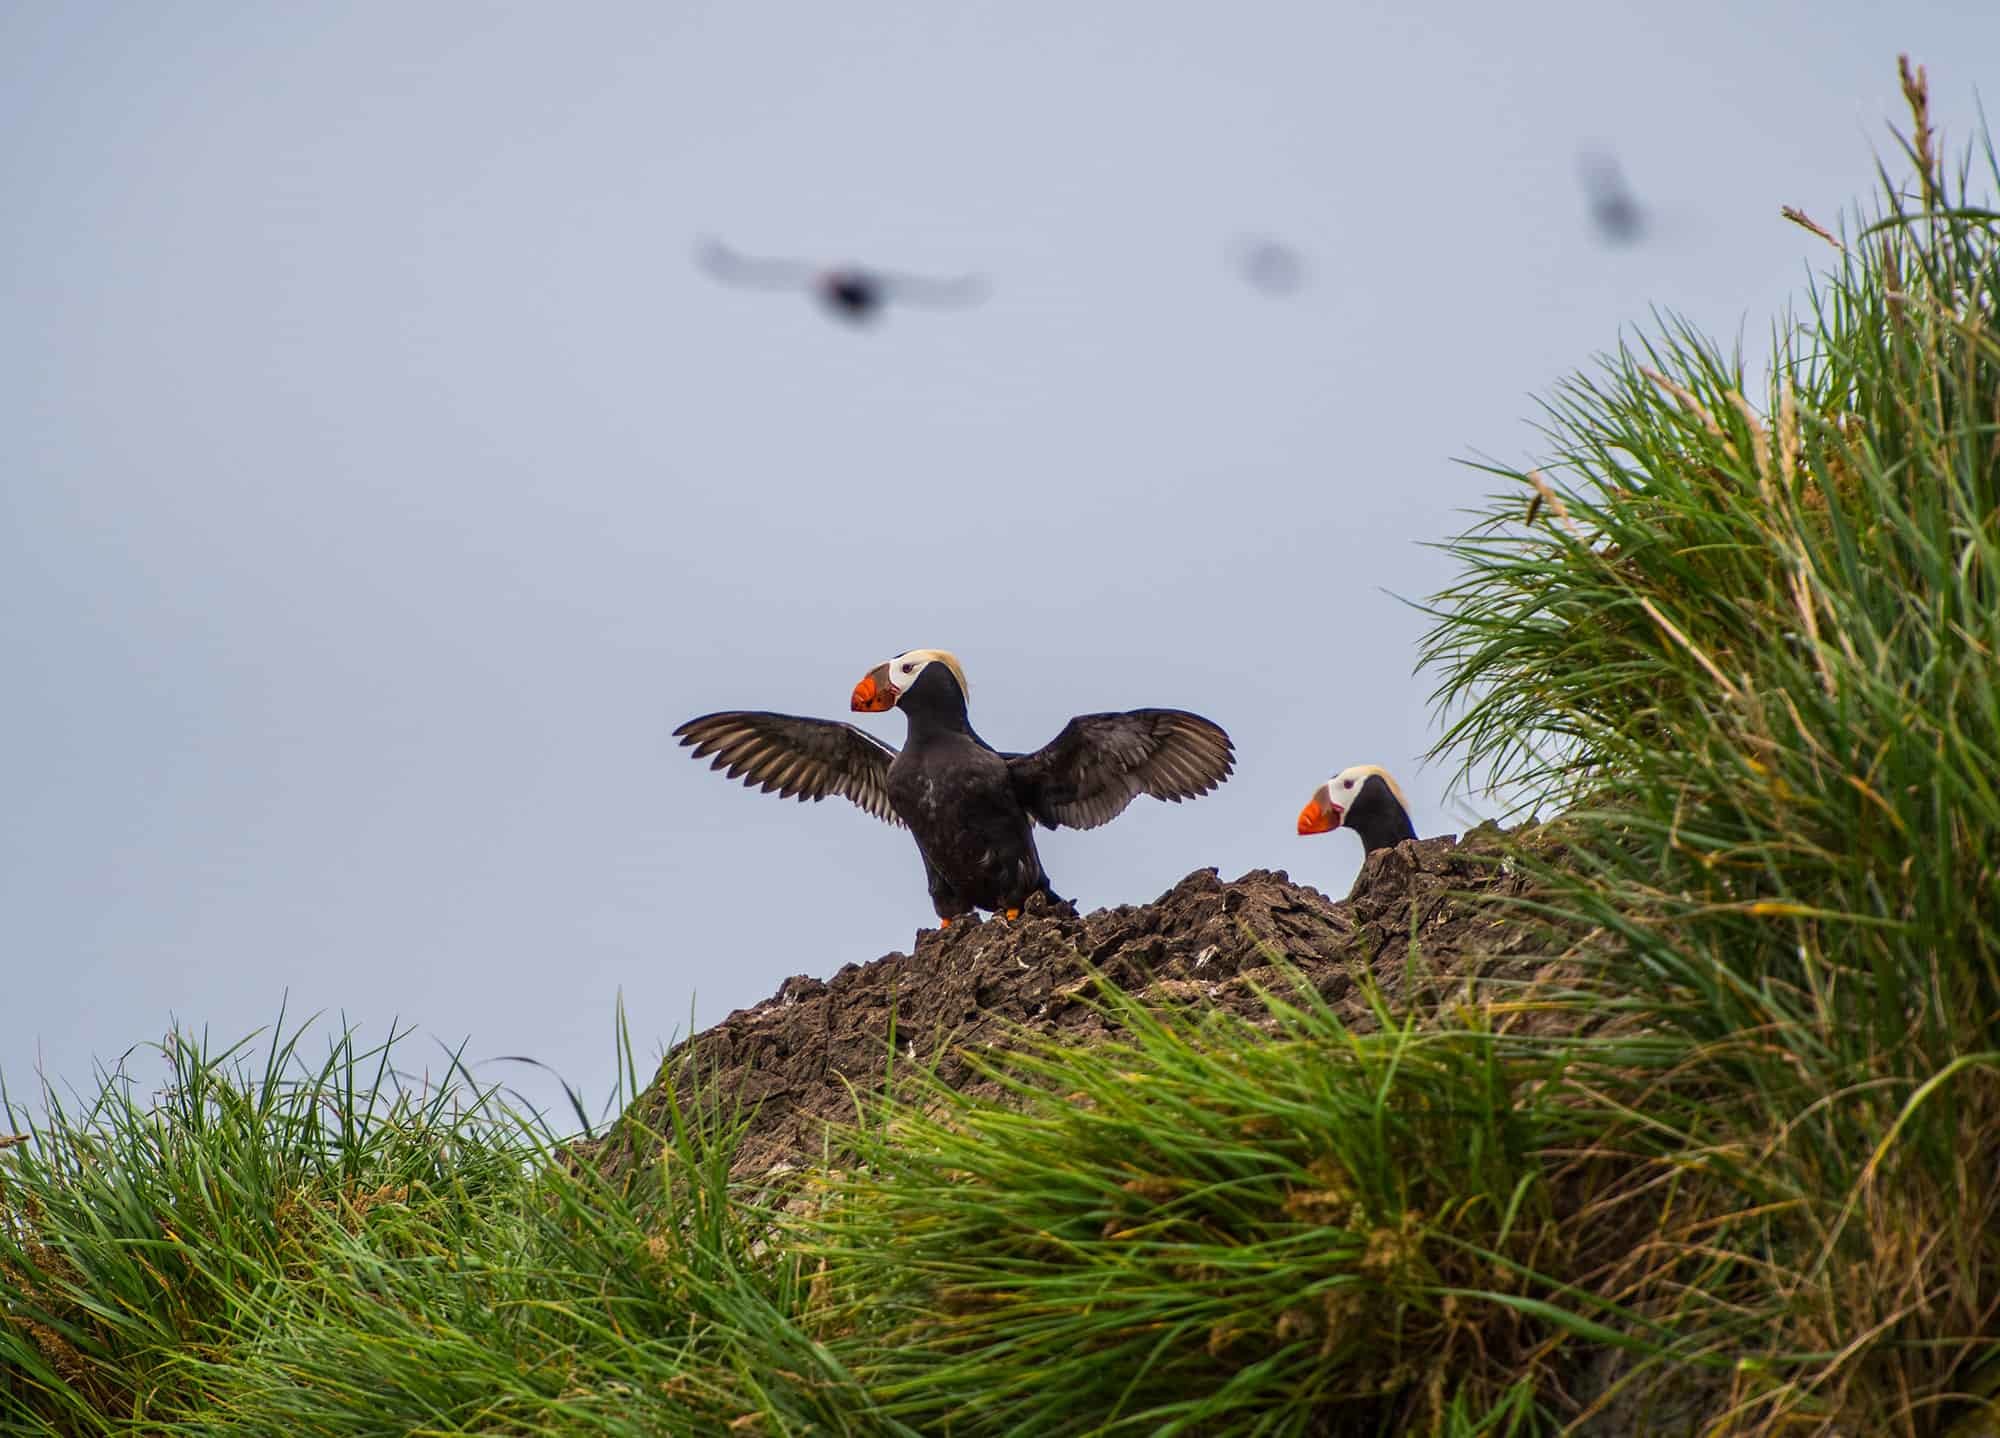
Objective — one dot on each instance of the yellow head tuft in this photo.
(940, 656)
(1360, 773)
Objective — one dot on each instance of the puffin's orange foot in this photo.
(944, 923)
(1013, 913)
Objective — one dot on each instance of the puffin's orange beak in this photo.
(874, 693)
(1318, 816)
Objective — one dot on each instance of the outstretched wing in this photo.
(928, 291)
(733, 268)
(798, 758)
(1102, 762)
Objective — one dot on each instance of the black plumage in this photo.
(970, 807)
(1378, 816)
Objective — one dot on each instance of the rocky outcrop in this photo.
(799, 1059)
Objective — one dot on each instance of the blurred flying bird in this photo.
(849, 292)
(1612, 205)
(1269, 265)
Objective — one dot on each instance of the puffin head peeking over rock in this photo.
(971, 808)
(1362, 798)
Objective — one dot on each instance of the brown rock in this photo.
(801, 1056)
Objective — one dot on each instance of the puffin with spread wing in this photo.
(971, 808)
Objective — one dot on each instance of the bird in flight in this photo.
(853, 293)
(1269, 265)
(1613, 206)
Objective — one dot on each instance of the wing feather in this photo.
(943, 293)
(1100, 763)
(790, 777)
(795, 757)
(734, 268)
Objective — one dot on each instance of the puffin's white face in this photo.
(904, 668)
(1327, 809)
(888, 681)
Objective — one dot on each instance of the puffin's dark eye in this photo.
(908, 668)
(1347, 783)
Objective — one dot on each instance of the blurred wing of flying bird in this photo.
(749, 272)
(930, 291)
(1613, 207)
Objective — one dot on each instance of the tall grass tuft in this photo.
(130, 1232)
(1745, 629)
(1217, 1227)
(274, 1247)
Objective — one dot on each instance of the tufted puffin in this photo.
(971, 808)
(1364, 799)
(849, 292)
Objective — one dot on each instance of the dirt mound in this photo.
(794, 1056)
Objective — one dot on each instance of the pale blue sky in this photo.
(382, 482)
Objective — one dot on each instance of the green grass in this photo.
(1211, 1228)
(1199, 1226)
(276, 1247)
(1736, 1175)
(1752, 646)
